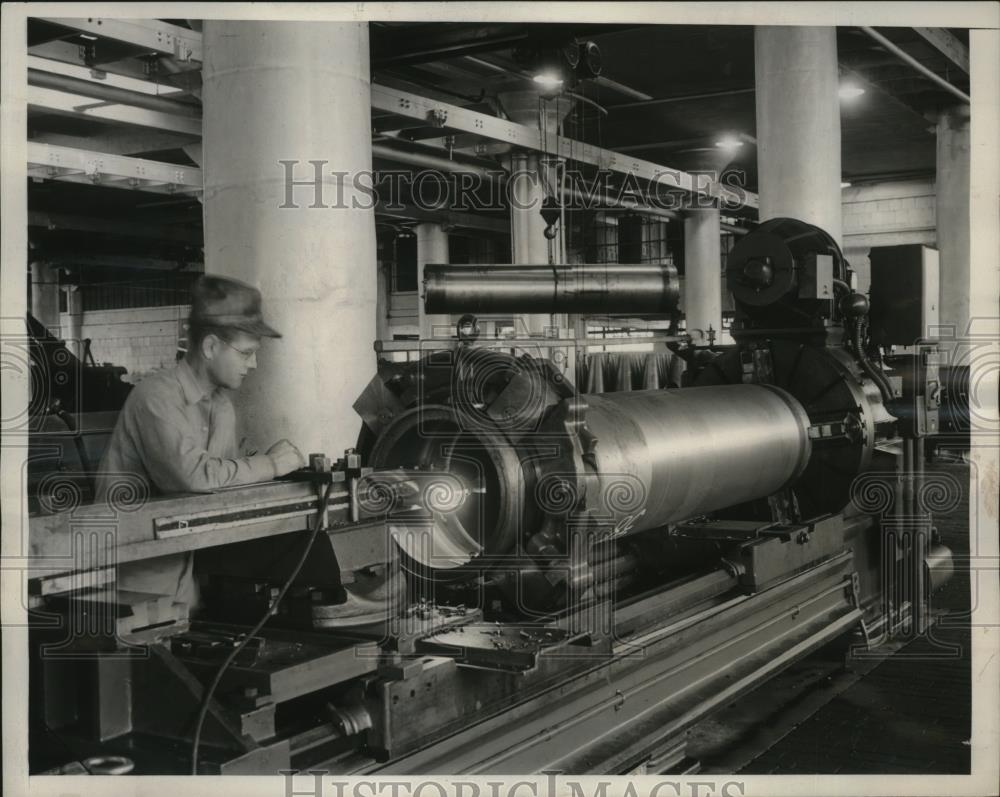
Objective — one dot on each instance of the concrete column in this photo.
(300, 92)
(74, 313)
(953, 217)
(861, 265)
(798, 125)
(382, 329)
(702, 274)
(432, 247)
(45, 295)
(529, 246)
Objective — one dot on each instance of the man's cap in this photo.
(231, 304)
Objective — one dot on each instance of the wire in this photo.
(875, 374)
(207, 697)
(81, 760)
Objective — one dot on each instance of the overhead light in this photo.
(88, 37)
(845, 184)
(549, 81)
(848, 91)
(729, 143)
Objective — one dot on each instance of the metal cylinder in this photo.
(939, 567)
(432, 247)
(702, 274)
(635, 460)
(666, 455)
(111, 94)
(612, 288)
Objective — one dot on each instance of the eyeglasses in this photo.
(246, 355)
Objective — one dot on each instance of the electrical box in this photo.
(904, 294)
(816, 278)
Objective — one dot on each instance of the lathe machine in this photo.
(508, 576)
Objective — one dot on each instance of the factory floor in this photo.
(908, 712)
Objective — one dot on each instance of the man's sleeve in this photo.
(175, 459)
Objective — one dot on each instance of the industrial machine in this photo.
(72, 410)
(509, 576)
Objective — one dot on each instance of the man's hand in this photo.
(285, 457)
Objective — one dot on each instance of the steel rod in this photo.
(909, 59)
(112, 94)
(583, 288)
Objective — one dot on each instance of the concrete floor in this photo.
(907, 713)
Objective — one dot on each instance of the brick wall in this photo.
(886, 214)
(141, 339)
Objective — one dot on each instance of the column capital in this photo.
(954, 116)
(700, 211)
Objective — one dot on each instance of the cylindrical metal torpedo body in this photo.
(694, 450)
(632, 461)
(622, 288)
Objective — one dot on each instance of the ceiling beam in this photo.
(79, 106)
(72, 260)
(904, 56)
(453, 118)
(119, 142)
(182, 234)
(879, 90)
(673, 144)
(468, 221)
(103, 78)
(948, 45)
(151, 35)
(391, 47)
(73, 53)
(186, 77)
(49, 162)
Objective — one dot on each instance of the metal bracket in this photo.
(854, 595)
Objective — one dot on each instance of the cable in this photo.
(875, 374)
(207, 698)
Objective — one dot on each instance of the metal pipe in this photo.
(463, 165)
(612, 202)
(909, 59)
(606, 82)
(111, 94)
(621, 88)
(430, 160)
(684, 98)
(582, 288)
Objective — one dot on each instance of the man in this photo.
(177, 429)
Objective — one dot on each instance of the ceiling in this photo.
(666, 94)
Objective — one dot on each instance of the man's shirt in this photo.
(179, 439)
